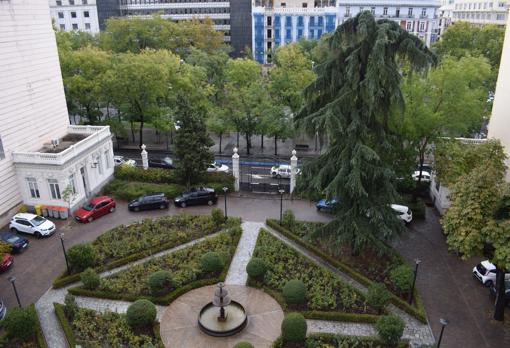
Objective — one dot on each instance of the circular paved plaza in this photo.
(179, 326)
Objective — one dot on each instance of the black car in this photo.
(150, 201)
(507, 291)
(196, 196)
(165, 163)
(17, 243)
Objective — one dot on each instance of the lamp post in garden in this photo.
(281, 191)
(12, 280)
(416, 264)
(225, 189)
(65, 254)
(443, 322)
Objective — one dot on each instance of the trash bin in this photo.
(50, 211)
(63, 213)
(44, 211)
(38, 209)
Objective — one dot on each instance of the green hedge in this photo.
(417, 311)
(65, 324)
(39, 338)
(129, 190)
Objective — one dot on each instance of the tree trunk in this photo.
(221, 136)
(262, 141)
(166, 138)
(275, 145)
(247, 144)
(141, 132)
(132, 125)
(499, 309)
(238, 139)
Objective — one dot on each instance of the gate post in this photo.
(293, 169)
(235, 169)
(145, 158)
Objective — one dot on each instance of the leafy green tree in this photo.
(74, 40)
(351, 102)
(219, 124)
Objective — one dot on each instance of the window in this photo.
(269, 21)
(283, 4)
(54, 189)
(71, 2)
(72, 184)
(422, 26)
(500, 17)
(372, 10)
(269, 45)
(409, 26)
(410, 11)
(61, 15)
(84, 2)
(385, 11)
(73, 14)
(305, 5)
(423, 12)
(99, 165)
(269, 33)
(361, 9)
(87, 26)
(62, 27)
(59, 3)
(397, 12)
(107, 159)
(347, 11)
(75, 26)
(86, 14)
(2, 152)
(34, 189)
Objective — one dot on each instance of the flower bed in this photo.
(324, 340)
(38, 341)
(326, 292)
(184, 265)
(124, 244)
(348, 264)
(89, 328)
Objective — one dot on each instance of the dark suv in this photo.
(165, 163)
(200, 195)
(150, 201)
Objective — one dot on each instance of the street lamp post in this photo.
(12, 279)
(416, 263)
(282, 191)
(443, 322)
(65, 254)
(225, 189)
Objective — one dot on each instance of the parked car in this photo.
(165, 163)
(507, 291)
(121, 160)
(95, 208)
(403, 213)
(6, 262)
(283, 171)
(3, 310)
(326, 204)
(32, 224)
(425, 176)
(196, 196)
(485, 272)
(217, 168)
(18, 244)
(150, 201)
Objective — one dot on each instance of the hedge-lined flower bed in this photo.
(324, 340)
(325, 291)
(184, 265)
(89, 328)
(37, 341)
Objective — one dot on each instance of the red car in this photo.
(6, 262)
(96, 207)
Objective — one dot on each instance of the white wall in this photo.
(80, 21)
(32, 102)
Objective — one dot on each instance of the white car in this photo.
(32, 224)
(425, 176)
(486, 273)
(217, 168)
(283, 171)
(403, 213)
(121, 160)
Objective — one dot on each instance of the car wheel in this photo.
(209, 203)
(163, 206)
(488, 283)
(13, 230)
(38, 235)
(112, 209)
(183, 205)
(136, 208)
(90, 219)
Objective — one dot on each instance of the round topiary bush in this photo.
(90, 279)
(244, 345)
(288, 219)
(160, 282)
(20, 322)
(294, 328)
(377, 296)
(256, 268)
(294, 292)
(217, 216)
(402, 278)
(81, 256)
(390, 329)
(211, 262)
(141, 313)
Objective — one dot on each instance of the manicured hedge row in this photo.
(66, 325)
(129, 190)
(346, 341)
(418, 312)
(41, 340)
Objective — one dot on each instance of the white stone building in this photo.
(445, 15)
(33, 115)
(481, 11)
(71, 15)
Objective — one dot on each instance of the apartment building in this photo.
(77, 15)
(481, 12)
(445, 15)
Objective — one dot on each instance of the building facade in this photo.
(40, 153)
(419, 17)
(107, 9)
(280, 22)
(445, 16)
(481, 11)
(72, 15)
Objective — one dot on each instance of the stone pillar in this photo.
(145, 158)
(235, 169)
(293, 170)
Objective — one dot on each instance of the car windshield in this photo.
(38, 220)
(12, 239)
(88, 206)
(167, 160)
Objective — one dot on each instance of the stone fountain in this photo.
(228, 320)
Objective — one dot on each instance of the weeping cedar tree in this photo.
(350, 102)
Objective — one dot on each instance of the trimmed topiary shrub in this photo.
(90, 279)
(294, 292)
(294, 328)
(288, 219)
(70, 307)
(211, 262)
(160, 283)
(402, 278)
(217, 216)
(20, 323)
(244, 345)
(378, 296)
(141, 313)
(390, 329)
(256, 268)
(81, 256)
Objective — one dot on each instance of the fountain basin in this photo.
(235, 322)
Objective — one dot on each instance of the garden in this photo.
(22, 329)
